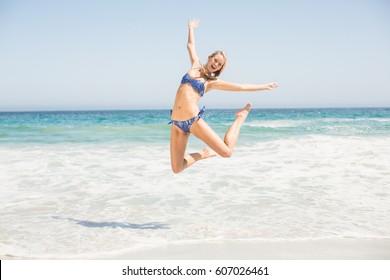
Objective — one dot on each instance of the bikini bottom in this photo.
(186, 125)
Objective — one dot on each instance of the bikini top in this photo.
(197, 85)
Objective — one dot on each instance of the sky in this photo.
(129, 55)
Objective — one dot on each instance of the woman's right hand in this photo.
(192, 24)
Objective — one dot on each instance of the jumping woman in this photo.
(186, 118)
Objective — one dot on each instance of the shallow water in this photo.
(87, 189)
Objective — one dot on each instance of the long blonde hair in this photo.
(215, 75)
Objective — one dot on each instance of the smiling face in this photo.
(215, 62)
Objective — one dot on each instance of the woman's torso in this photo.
(191, 89)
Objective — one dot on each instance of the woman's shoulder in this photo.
(212, 84)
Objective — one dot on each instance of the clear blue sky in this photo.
(75, 55)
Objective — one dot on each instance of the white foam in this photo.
(276, 123)
(96, 199)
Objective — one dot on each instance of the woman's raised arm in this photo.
(192, 24)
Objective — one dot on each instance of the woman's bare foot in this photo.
(206, 153)
(243, 113)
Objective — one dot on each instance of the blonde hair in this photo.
(215, 75)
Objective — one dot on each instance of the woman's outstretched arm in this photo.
(222, 85)
(192, 24)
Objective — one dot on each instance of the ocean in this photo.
(94, 183)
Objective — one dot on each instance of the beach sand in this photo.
(328, 249)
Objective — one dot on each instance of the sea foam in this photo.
(90, 200)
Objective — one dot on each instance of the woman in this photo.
(186, 116)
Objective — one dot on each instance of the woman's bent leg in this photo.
(224, 148)
(179, 159)
(232, 134)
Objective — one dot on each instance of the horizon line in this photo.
(162, 109)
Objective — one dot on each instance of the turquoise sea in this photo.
(150, 126)
(93, 183)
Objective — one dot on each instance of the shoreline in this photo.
(326, 249)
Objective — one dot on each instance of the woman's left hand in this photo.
(271, 86)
